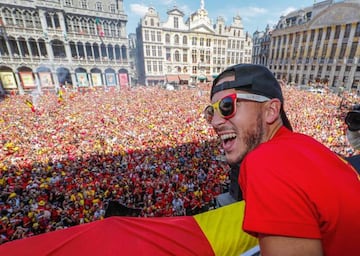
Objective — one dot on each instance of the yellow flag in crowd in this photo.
(30, 104)
(60, 96)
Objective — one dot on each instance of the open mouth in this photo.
(227, 139)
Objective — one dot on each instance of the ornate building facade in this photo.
(47, 44)
(179, 51)
(319, 44)
(261, 46)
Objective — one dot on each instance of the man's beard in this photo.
(253, 137)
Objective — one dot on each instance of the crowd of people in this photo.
(63, 159)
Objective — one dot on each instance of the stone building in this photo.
(52, 43)
(180, 51)
(261, 46)
(319, 45)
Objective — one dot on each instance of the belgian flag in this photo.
(216, 232)
(31, 105)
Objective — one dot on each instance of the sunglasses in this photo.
(352, 120)
(226, 106)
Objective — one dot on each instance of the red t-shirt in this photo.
(294, 186)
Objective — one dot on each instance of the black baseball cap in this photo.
(256, 79)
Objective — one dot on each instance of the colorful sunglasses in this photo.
(226, 106)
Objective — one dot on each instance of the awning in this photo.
(172, 78)
(184, 77)
(155, 78)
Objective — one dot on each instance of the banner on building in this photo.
(27, 80)
(96, 79)
(82, 80)
(8, 80)
(45, 79)
(110, 79)
(123, 78)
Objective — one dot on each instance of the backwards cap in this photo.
(256, 79)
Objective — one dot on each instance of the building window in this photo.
(152, 36)
(83, 4)
(106, 29)
(337, 31)
(28, 20)
(320, 34)
(167, 38)
(353, 50)
(357, 31)
(312, 35)
(148, 64)
(185, 40)
(18, 18)
(98, 6)
(328, 33)
(146, 35)
(347, 30)
(342, 50)
(177, 56)
(92, 27)
(152, 22)
(201, 41)
(185, 58)
(194, 57)
(176, 22)
(324, 50)
(158, 35)
(68, 2)
(159, 51)
(168, 54)
(147, 50)
(153, 49)
(37, 20)
(112, 8)
(304, 36)
(194, 41)
(208, 42)
(333, 51)
(113, 30)
(176, 39)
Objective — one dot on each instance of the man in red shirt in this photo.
(301, 198)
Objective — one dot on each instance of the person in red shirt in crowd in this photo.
(301, 198)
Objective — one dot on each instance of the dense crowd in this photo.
(65, 158)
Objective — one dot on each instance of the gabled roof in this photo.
(202, 28)
(175, 11)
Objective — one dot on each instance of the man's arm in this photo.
(289, 246)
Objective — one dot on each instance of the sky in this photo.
(255, 14)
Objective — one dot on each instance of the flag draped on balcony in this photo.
(99, 28)
(216, 232)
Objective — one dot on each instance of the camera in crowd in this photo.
(352, 118)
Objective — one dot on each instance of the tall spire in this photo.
(202, 4)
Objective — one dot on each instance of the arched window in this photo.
(167, 38)
(176, 39)
(177, 56)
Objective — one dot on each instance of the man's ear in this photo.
(272, 112)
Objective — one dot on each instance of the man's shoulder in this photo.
(354, 161)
